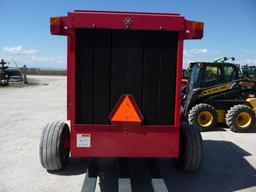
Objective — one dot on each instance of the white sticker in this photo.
(83, 140)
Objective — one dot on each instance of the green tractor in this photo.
(216, 94)
(223, 59)
(248, 72)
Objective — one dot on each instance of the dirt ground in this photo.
(229, 158)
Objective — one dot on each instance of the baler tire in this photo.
(182, 116)
(54, 146)
(191, 148)
(194, 113)
(232, 115)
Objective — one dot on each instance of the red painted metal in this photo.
(71, 58)
(127, 141)
(178, 80)
(191, 32)
(127, 12)
(119, 20)
(124, 140)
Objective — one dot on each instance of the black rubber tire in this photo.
(232, 114)
(194, 112)
(182, 116)
(6, 83)
(52, 150)
(191, 148)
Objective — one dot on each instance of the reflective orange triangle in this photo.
(127, 111)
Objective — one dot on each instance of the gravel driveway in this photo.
(229, 160)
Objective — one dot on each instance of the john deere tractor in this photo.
(216, 94)
(248, 72)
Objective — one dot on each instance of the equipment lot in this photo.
(229, 158)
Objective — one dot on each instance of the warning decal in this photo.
(83, 140)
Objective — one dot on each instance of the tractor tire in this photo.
(191, 148)
(203, 116)
(54, 146)
(240, 118)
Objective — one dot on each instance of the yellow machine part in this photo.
(243, 120)
(205, 119)
(221, 114)
(252, 102)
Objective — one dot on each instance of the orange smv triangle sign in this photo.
(126, 111)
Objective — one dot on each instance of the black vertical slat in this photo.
(84, 76)
(102, 75)
(134, 63)
(139, 173)
(157, 180)
(150, 77)
(124, 181)
(113, 62)
(118, 66)
(90, 180)
(168, 58)
(108, 174)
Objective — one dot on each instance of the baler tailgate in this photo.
(110, 63)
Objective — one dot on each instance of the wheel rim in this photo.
(64, 147)
(243, 120)
(205, 119)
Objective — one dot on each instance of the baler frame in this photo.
(126, 140)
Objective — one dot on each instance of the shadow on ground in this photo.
(224, 129)
(224, 168)
(75, 166)
(251, 130)
(219, 129)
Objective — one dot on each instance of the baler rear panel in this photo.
(110, 63)
(116, 53)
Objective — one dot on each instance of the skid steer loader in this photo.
(217, 94)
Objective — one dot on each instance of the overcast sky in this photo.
(230, 28)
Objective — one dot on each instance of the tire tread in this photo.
(49, 145)
(232, 113)
(192, 115)
(190, 157)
